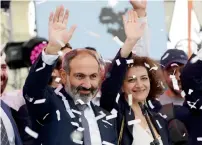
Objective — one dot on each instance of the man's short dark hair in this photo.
(91, 48)
(67, 46)
(72, 54)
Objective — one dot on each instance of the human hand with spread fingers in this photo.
(134, 30)
(58, 32)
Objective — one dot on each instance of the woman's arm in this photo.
(114, 78)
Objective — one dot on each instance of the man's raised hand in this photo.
(58, 33)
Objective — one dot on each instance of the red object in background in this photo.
(23, 54)
(36, 51)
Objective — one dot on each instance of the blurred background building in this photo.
(15, 27)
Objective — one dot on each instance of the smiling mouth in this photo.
(139, 91)
(84, 92)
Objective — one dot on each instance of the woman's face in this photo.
(137, 83)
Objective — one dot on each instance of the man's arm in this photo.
(35, 89)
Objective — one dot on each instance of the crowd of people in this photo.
(73, 96)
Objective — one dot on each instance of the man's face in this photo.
(83, 80)
(174, 69)
(4, 75)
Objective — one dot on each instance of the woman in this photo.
(136, 82)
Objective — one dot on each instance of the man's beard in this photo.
(73, 91)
